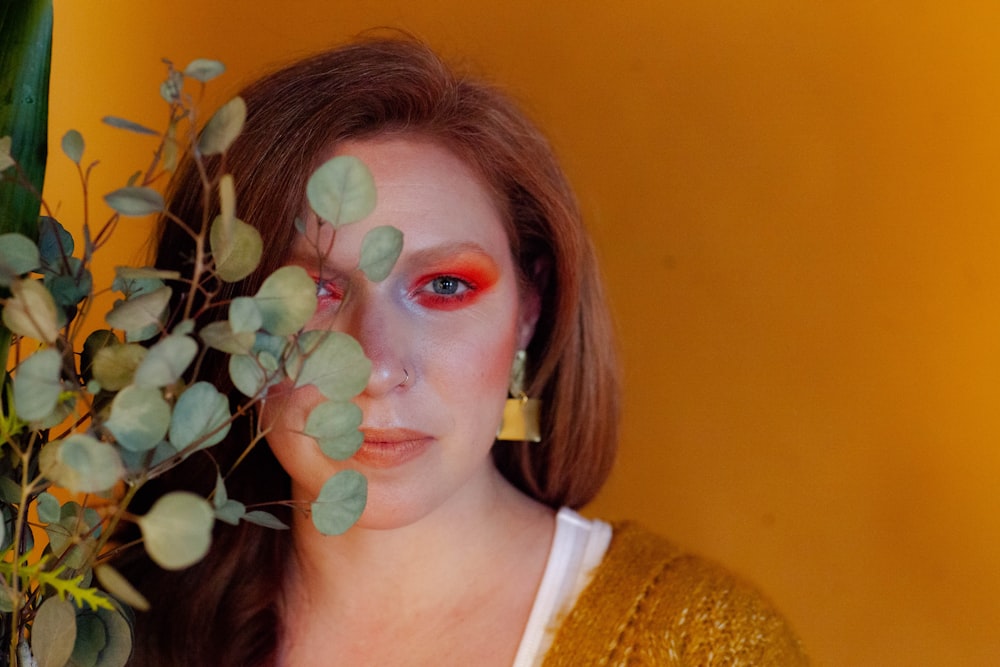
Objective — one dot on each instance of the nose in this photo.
(373, 321)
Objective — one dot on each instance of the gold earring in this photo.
(520, 413)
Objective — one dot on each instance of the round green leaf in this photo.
(10, 493)
(334, 425)
(379, 251)
(120, 587)
(247, 374)
(184, 328)
(220, 336)
(64, 410)
(69, 289)
(91, 638)
(114, 366)
(18, 255)
(287, 300)
(333, 362)
(274, 346)
(72, 145)
(341, 191)
(177, 530)
(54, 243)
(37, 385)
(81, 463)
(118, 650)
(204, 69)
(31, 311)
(137, 315)
(139, 418)
(224, 127)
(136, 462)
(135, 200)
(53, 633)
(201, 412)
(245, 315)
(67, 542)
(136, 282)
(48, 508)
(166, 361)
(236, 249)
(340, 503)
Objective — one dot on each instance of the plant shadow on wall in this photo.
(86, 422)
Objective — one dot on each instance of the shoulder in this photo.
(651, 603)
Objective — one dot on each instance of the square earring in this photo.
(521, 415)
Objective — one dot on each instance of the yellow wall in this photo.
(798, 208)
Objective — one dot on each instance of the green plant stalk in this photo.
(25, 63)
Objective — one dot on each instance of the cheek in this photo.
(282, 416)
(477, 371)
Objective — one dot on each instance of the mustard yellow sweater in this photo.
(650, 603)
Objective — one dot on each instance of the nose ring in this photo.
(406, 378)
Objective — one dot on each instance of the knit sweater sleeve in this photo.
(651, 604)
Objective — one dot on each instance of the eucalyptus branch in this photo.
(132, 402)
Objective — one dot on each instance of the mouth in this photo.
(390, 447)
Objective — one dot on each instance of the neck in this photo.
(422, 564)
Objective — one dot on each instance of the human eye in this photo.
(448, 279)
(445, 291)
(329, 292)
(448, 286)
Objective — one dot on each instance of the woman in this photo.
(467, 552)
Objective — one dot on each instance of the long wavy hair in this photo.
(224, 610)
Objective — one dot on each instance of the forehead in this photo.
(424, 190)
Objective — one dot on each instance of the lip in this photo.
(390, 447)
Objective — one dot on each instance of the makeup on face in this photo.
(448, 319)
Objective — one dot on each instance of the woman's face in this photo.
(449, 317)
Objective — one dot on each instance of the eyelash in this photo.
(465, 289)
(328, 290)
(424, 293)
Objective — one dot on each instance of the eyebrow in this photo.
(446, 251)
(431, 255)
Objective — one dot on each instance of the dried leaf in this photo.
(31, 311)
(53, 633)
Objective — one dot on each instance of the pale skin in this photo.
(443, 566)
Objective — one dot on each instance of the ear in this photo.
(531, 304)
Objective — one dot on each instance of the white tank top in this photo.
(578, 546)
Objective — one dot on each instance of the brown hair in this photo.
(294, 115)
